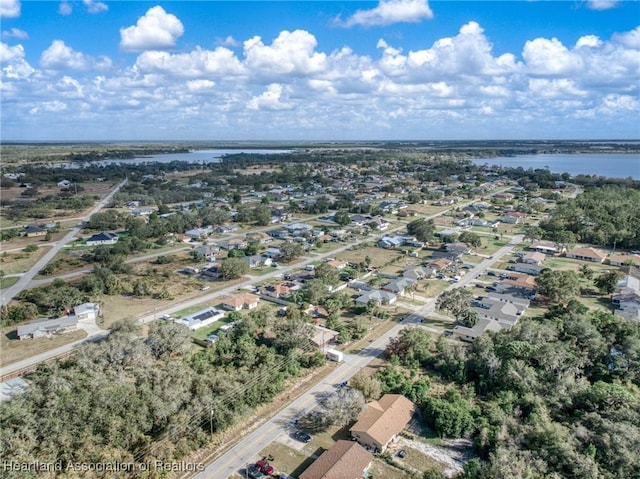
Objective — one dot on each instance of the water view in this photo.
(612, 165)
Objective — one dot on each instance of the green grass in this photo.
(8, 282)
(203, 333)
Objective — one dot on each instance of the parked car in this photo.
(254, 472)
(402, 453)
(302, 436)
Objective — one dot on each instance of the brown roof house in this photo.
(345, 460)
(240, 301)
(382, 420)
(587, 254)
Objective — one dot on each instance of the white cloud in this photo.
(228, 42)
(269, 99)
(590, 41)
(550, 57)
(469, 52)
(59, 56)
(291, 88)
(629, 39)
(95, 7)
(65, 8)
(9, 8)
(15, 33)
(290, 53)
(196, 86)
(391, 11)
(8, 54)
(157, 29)
(601, 4)
(220, 61)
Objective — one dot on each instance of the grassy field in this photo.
(8, 282)
(378, 256)
(19, 261)
(13, 350)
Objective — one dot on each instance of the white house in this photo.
(88, 311)
(103, 238)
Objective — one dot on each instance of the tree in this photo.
(261, 215)
(369, 386)
(455, 301)
(343, 407)
(291, 251)
(558, 286)
(586, 272)
(422, 229)
(167, 339)
(232, 268)
(293, 331)
(327, 274)
(342, 218)
(607, 283)
(412, 345)
(470, 238)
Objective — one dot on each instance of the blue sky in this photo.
(337, 70)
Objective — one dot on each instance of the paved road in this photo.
(25, 279)
(29, 362)
(247, 451)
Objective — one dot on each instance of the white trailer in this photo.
(334, 355)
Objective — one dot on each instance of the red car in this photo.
(265, 467)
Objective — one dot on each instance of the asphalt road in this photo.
(26, 278)
(247, 450)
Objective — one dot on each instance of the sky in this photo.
(89, 70)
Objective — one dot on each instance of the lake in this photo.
(612, 165)
(195, 156)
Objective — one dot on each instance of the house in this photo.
(273, 253)
(213, 272)
(257, 261)
(207, 251)
(380, 297)
(546, 247)
(382, 420)
(457, 248)
(624, 259)
(532, 269)
(398, 286)
(281, 290)
(481, 327)
(344, 460)
(47, 327)
(587, 254)
(415, 273)
(523, 282)
(323, 336)
(240, 301)
(233, 243)
(440, 263)
(260, 237)
(390, 242)
(510, 218)
(200, 319)
(504, 312)
(89, 311)
(534, 258)
(64, 183)
(103, 238)
(339, 265)
(198, 233)
(32, 231)
(447, 233)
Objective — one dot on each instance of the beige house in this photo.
(240, 301)
(587, 254)
(344, 460)
(382, 420)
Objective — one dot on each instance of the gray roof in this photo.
(47, 325)
(376, 295)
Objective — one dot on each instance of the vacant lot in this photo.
(12, 349)
(19, 261)
(377, 256)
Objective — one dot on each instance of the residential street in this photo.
(25, 279)
(248, 449)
